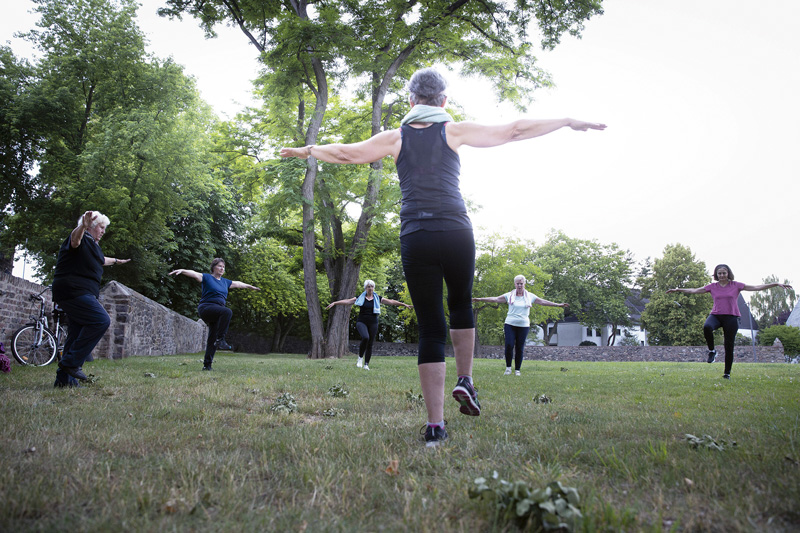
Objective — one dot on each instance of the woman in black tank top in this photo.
(367, 322)
(436, 240)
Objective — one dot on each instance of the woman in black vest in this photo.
(367, 322)
(76, 288)
(436, 241)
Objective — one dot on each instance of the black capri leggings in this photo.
(368, 329)
(430, 257)
(729, 325)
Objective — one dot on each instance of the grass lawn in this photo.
(157, 445)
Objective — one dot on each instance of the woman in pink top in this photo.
(725, 313)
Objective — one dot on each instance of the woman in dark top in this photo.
(436, 241)
(76, 288)
(367, 322)
(212, 305)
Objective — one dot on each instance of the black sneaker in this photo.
(467, 396)
(207, 368)
(222, 345)
(726, 376)
(75, 372)
(712, 356)
(434, 435)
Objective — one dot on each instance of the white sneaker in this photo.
(516, 373)
(366, 367)
(360, 362)
(508, 371)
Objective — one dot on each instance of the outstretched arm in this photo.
(698, 290)
(384, 144)
(349, 301)
(548, 303)
(482, 136)
(492, 299)
(240, 285)
(766, 286)
(189, 273)
(108, 261)
(389, 301)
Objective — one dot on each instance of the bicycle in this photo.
(35, 344)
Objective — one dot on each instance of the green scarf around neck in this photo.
(426, 113)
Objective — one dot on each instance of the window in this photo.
(598, 333)
(588, 332)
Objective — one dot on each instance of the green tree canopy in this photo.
(592, 278)
(675, 319)
(768, 305)
(102, 125)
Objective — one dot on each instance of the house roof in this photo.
(748, 321)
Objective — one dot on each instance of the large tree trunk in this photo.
(318, 350)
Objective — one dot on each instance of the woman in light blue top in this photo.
(518, 323)
(367, 322)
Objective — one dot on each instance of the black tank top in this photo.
(429, 171)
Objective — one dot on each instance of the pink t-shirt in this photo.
(726, 299)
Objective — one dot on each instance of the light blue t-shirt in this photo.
(519, 310)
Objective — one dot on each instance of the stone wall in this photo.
(16, 307)
(686, 354)
(139, 325)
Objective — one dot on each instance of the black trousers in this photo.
(515, 337)
(218, 318)
(431, 259)
(729, 325)
(368, 329)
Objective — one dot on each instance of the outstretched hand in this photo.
(579, 125)
(301, 152)
(88, 219)
(122, 261)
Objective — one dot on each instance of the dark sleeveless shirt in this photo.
(429, 171)
(78, 270)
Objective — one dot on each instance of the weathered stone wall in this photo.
(16, 307)
(764, 354)
(139, 325)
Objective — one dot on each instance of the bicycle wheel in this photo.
(33, 345)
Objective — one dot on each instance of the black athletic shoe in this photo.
(467, 396)
(73, 371)
(434, 435)
(726, 376)
(222, 345)
(207, 368)
(712, 356)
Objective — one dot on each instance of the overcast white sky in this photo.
(702, 146)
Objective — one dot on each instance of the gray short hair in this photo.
(99, 218)
(427, 87)
(368, 283)
(520, 277)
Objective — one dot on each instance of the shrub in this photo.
(552, 508)
(587, 343)
(789, 336)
